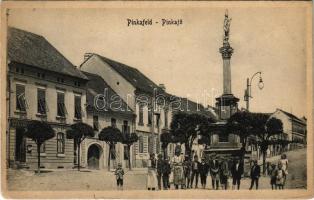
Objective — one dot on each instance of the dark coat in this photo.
(214, 167)
(160, 166)
(166, 169)
(203, 169)
(255, 171)
(237, 173)
(198, 165)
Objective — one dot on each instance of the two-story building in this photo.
(41, 85)
(142, 95)
(106, 108)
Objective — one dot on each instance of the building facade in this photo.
(41, 85)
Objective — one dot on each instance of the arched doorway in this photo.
(93, 156)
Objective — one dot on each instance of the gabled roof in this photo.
(34, 50)
(97, 86)
(131, 74)
(292, 116)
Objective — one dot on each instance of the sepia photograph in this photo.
(160, 100)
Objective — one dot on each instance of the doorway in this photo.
(20, 145)
(93, 156)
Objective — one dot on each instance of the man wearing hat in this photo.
(187, 168)
(159, 167)
(203, 169)
(255, 174)
(236, 173)
(214, 172)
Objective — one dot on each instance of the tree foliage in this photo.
(185, 127)
(39, 132)
(78, 132)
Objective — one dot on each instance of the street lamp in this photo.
(248, 92)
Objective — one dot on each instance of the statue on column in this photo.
(227, 23)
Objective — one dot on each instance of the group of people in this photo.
(186, 172)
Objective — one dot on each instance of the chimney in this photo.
(162, 86)
(87, 56)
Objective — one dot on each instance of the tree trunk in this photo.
(109, 157)
(264, 162)
(129, 158)
(165, 152)
(78, 156)
(38, 158)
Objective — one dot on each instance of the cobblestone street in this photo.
(133, 180)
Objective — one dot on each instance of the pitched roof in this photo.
(132, 75)
(96, 86)
(34, 50)
(292, 116)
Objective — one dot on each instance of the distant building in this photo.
(41, 85)
(294, 128)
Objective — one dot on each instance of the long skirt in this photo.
(152, 182)
(178, 176)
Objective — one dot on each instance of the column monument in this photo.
(227, 103)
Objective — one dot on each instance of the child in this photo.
(280, 177)
(272, 174)
(119, 176)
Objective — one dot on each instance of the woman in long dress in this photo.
(177, 166)
(152, 183)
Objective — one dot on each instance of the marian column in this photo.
(227, 104)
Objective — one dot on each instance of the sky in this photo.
(186, 58)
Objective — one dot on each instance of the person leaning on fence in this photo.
(195, 171)
(165, 174)
(236, 173)
(159, 168)
(255, 174)
(214, 172)
(119, 172)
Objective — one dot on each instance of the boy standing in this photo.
(119, 176)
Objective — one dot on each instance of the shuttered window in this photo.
(149, 117)
(20, 98)
(95, 123)
(140, 144)
(61, 109)
(41, 101)
(140, 114)
(166, 119)
(114, 122)
(77, 107)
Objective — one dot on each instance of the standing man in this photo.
(187, 167)
(236, 172)
(203, 169)
(160, 167)
(214, 172)
(195, 171)
(165, 174)
(224, 173)
(255, 174)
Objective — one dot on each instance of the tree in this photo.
(129, 139)
(240, 124)
(78, 132)
(39, 132)
(111, 136)
(265, 129)
(186, 127)
(204, 140)
(166, 138)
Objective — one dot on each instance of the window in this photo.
(166, 119)
(61, 109)
(157, 119)
(149, 117)
(125, 127)
(41, 101)
(140, 115)
(43, 148)
(223, 137)
(60, 143)
(151, 141)
(77, 107)
(140, 144)
(126, 152)
(20, 98)
(114, 122)
(95, 123)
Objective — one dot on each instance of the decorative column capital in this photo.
(226, 51)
